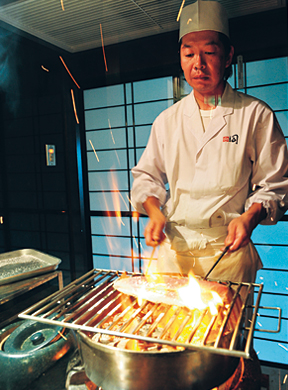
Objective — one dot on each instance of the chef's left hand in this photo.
(241, 228)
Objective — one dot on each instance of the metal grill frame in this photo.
(67, 306)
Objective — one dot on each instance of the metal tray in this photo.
(24, 264)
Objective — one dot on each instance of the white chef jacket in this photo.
(213, 175)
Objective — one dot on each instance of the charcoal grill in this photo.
(89, 303)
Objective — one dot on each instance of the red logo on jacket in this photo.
(233, 138)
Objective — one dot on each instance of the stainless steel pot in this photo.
(119, 369)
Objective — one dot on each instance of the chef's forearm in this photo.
(151, 205)
(154, 234)
(241, 228)
(255, 214)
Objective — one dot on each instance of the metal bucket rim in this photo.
(104, 347)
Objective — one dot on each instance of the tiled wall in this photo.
(40, 204)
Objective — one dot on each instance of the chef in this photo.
(222, 156)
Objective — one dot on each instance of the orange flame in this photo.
(194, 297)
(116, 202)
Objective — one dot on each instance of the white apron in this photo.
(239, 266)
(200, 255)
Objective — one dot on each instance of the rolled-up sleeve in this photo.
(269, 179)
(149, 174)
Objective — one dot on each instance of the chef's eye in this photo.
(210, 52)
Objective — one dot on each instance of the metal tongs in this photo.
(208, 273)
(217, 261)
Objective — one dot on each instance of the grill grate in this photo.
(91, 304)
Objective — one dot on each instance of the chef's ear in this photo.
(179, 46)
(229, 58)
(179, 55)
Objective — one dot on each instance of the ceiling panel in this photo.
(74, 25)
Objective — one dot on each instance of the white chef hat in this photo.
(203, 15)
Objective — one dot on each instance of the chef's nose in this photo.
(199, 63)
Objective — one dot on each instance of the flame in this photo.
(140, 297)
(191, 295)
(116, 201)
(194, 297)
(114, 216)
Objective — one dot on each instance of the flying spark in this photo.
(180, 11)
(74, 106)
(282, 346)
(112, 137)
(103, 49)
(119, 216)
(113, 141)
(117, 157)
(129, 200)
(62, 5)
(94, 150)
(46, 70)
(111, 131)
(66, 67)
(136, 243)
(285, 379)
(123, 200)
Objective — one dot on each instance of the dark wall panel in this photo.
(36, 201)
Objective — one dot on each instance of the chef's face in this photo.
(203, 61)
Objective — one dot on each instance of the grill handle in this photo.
(279, 319)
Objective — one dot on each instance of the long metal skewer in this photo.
(150, 260)
(216, 262)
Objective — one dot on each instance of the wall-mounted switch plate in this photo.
(50, 155)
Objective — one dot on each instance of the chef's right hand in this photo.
(153, 233)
